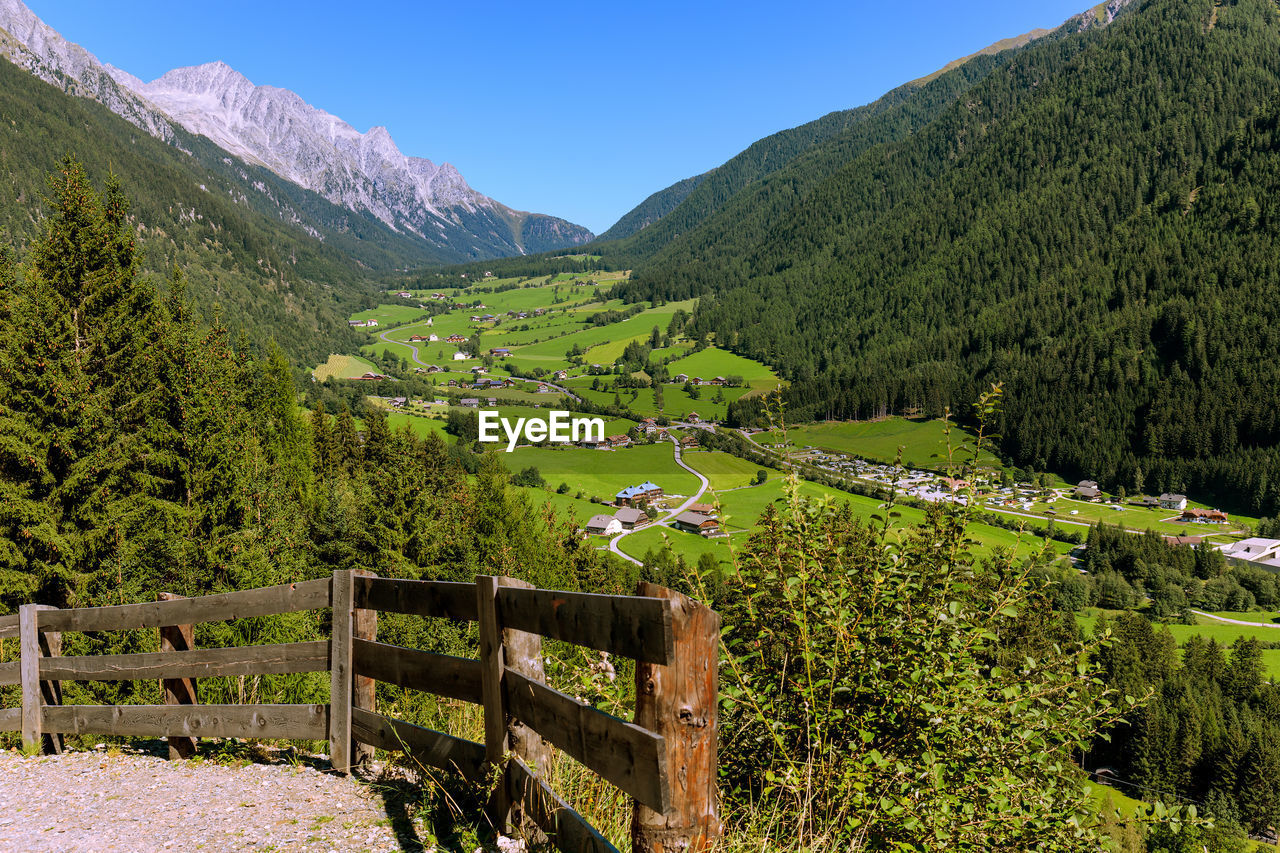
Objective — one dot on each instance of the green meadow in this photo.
(603, 473)
(924, 442)
(343, 367)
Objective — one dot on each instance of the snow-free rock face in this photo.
(276, 129)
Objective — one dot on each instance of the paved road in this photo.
(559, 388)
(383, 337)
(613, 543)
(1234, 621)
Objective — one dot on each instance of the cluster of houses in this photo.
(626, 518)
(429, 338)
(681, 378)
(699, 519)
(1088, 490)
(360, 324)
(609, 442)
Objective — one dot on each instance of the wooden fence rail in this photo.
(665, 758)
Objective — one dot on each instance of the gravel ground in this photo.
(107, 800)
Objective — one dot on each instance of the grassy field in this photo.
(688, 545)
(742, 507)
(604, 473)
(1133, 518)
(924, 442)
(390, 315)
(343, 367)
(723, 470)
(712, 362)
(421, 426)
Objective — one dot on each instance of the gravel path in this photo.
(112, 801)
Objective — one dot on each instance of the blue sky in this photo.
(579, 110)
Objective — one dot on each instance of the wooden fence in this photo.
(665, 759)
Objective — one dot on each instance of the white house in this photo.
(461, 356)
(1168, 501)
(604, 525)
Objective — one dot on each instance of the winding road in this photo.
(1234, 621)
(383, 337)
(662, 522)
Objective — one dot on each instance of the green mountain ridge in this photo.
(1090, 223)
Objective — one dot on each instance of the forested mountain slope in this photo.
(248, 255)
(1092, 224)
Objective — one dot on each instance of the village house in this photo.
(1256, 551)
(1087, 489)
(434, 368)
(560, 374)
(632, 495)
(542, 388)
(413, 339)
(709, 510)
(680, 378)
(618, 441)
(696, 522)
(604, 525)
(693, 418)
(629, 517)
(461, 356)
(398, 402)
(470, 402)
(500, 352)
(453, 383)
(591, 444)
(689, 441)
(456, 339)
(1172, 501)
(371, 377)
(404, 294)
(478, 369)
(1211, 516)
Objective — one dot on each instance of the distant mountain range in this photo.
(274, 128)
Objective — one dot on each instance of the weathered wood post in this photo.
(178, 691)
(678, 701)
(340, 680)
(364, 626)
(492, 664)
(522, 653)
(36, 693)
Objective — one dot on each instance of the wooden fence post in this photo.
(522, 653)
(178, 691)
(35, 644)
(364, 626)
(340, 680)
(492, 664)
(678, 701)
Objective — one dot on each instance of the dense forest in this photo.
(1090, 219)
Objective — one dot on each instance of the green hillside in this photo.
(1091, 224)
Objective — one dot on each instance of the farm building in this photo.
(696, 522)
(1171, 501)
